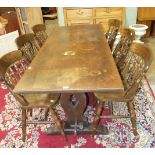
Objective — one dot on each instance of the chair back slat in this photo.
(111, 34)
(14, 72)
(28, 45)
(40, 33)
(136, 65)
(12, 67)
(41, 37)
(7, 59)
(122, 48)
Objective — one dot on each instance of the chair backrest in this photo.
(111, 34)
(7, 59)
(28, 45)
(12, 66)
(137, 63)
(38, 27)
(40, 33)
(122, 48)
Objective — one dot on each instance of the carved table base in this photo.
(76, 130)
(74, 106)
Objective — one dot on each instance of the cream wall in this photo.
(131, 16)
(60, 16)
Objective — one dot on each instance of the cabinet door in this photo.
(146, 13)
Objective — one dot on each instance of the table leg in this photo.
(74, 105)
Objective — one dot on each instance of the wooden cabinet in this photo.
(102, 15)
(27, 17)
(76, 16)
(146, 15)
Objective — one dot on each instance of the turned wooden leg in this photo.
(30, 112)
(110, 104)
(97, 117)
(58, 124)
(133, 117)
(24, 124)
(46, 113)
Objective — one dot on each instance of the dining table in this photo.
(73, 61)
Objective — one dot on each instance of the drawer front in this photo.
(108, 11)
(79, 22)
(79, 13)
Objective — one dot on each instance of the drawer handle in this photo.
(79, 12)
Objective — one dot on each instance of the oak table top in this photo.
(73, 59)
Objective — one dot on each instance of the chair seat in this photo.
(39, 100)
(111, 96)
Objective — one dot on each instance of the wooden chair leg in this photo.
(133, 117)
(110, 104)
(58, 124)
(46, 113)
(23, 124)
(30, 112)
(97, 117)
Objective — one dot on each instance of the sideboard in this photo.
(74, 16)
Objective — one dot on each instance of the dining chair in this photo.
(40, 33)
(11, 70)
(137, 63)
(120, 52)
(28, 45)
(113, 28)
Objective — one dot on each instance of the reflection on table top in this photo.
(73, 59)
